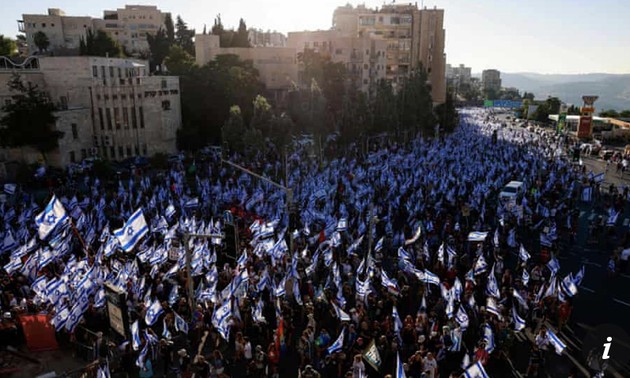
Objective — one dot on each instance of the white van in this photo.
(510, 191)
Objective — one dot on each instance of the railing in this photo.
(31, 63)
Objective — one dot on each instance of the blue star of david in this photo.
(129, 230)
(151, 313)
(51, 219)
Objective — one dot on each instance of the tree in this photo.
(447, 114)
(573, 110)
(624, 114)
(179, 62)
(29, 118)
(528, 96)
(40, 39)
(241, 37)
(184, 36)
(159, 45)
(550, 106)
(8, 46)
(170, 28)
(610, 113)
(234, 129)
(100, 44)
(416, 103)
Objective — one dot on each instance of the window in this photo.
(123, 96)
(75, 132)
(52, 25)
(144, 149)
(126, 117)
(104, 152)
(315, 44)
(141, 117)
(112, 152)
(108, 113)
(117, 118)
(73, 158)
(134, 120)
(128, 151)
(119, 72)
(163, 84)
(83, 154)
(43, 26)
(106, 97)
(166, 104)
(365, 81)
(121, 153)
(338, 51)
(365, 66)
(367, 51)
(114, 97)
(111, 71)
(137, 150)
(103, 72)
(95, 71)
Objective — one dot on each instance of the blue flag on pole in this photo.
(135, 228)
(53, 215)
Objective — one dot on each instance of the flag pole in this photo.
(76, 232)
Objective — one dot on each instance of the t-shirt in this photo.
(247, 351)
(430, 366)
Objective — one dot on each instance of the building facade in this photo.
(128, 26)
(461, 74)
(259, 38)
(491, 80)
(107, 107)
(277, 66)
(413, 38)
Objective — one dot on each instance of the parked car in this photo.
(511, 191)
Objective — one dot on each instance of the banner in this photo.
(38, 332)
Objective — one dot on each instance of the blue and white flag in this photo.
(389, 283)
(338, 344)
(341, 314)
(553, 265)
(397, 322)
(180, 324)
(492, 307)
(143, 356)
(519, 323)
(400, 371)
(579, 276)
(75, 315)
(476, 370)
(522, 254)
(134, 230)
(555, 341)
(462, 318)
(10, 188)
(587, 194)
(415, 236)
(477, 236)
(135, 335)
(379, 244)
(165, 332)
(568, 285)
(53, 215)
(525, 277)
(480, 266)
(153, 312)
(488, 337)
(431, 278)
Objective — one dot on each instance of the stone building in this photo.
(107, 107)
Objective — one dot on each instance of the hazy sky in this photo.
(546, 36)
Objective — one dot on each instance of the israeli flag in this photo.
(192, 203)
(520, 299)
(522, 254)
(568, 285)
(59, 321)
(579, 276)
(180, 324)
(525, 277)
(134, 230)
(598, 177)
(75, 315)
(476, 370)
(587, 194)
(612, 217)
(379, 244)
(558, 345)
(462, 318)
(10, 188)
(341, 314)
(477, 236)
(53, 215)
(388, 283)
(342, 225)
(492, 307)
(170, 211)
(480, 266)
(165, 332)
(338, 344)
(553, 265)
(173, 295)
(431, 278)
(492, 286)
(153, 312)
(400, 371)
(519, 323)
(143, 356)
(488, 337)
(99, 299)
(258, 313)
(135, 336)
(397, 322)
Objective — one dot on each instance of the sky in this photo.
(543, 36)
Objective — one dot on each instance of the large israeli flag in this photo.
(519, 323)
(135, 228)
(400, 372)
(153, 312)
(135, 335)
(53, 214)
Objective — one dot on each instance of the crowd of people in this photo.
(402, 260)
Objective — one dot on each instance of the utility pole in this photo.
(288, 192)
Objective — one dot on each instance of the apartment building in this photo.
(260, 38)
(460, 74)
(129, 26)
(277, 66)
(413, 37)
(491, 80)
(108, 107)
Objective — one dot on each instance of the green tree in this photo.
(416, 103)
(624, 114)
(241, 37)
(179, 62)
(573, 110)
(8, 46)
(384, 110)
(184, 36)
(234, 130)
(29, 118)
(170, 28)
(528, 96)
(40, 39)
(446, 114)
(550, 106)
(159, 46)
(611, 113)
(100, 44)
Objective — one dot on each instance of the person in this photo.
(146, 371)
(430, 366)
(481, 354)
(358, 367)
(535, 362)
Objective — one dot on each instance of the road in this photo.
(601, 300)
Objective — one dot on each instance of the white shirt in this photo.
(247, 350)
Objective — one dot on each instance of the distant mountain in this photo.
(613, 90)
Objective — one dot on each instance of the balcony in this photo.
(21, 26)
